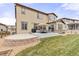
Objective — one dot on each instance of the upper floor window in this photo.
(39, 16)
(51, 17)
(24, 25)
(23, 11)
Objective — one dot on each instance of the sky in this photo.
(67, 10)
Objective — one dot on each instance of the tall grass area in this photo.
(54, 46)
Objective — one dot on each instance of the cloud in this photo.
(3, 5)
(71, 6)
(8, 14)
(7, 11)
(7, 21)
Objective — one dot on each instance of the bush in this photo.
(4, 33)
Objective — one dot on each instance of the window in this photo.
(54, 18)
(51, 28)
(35, 26)
(44, 27)
(39, 16)
(71, 26)
(23, 10)
(24, 25)
(51, 17)
(77, 26)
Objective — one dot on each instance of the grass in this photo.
(54, 46)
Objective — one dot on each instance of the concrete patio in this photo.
(44, 35)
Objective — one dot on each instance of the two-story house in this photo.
(66, 25)
(30, 20)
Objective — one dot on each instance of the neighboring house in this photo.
(57, 26)
(67, 26)
(30, 20)
(12, 29)
(3, 27)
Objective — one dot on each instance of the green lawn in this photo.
(54, 46)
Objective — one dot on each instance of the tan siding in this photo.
(30, 17)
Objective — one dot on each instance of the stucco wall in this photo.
(30, 17)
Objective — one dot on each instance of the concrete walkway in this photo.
(44, 35)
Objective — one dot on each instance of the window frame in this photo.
(23, 10)
(39, 16)
(51, 17)
(24, 25)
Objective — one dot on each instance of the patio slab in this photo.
(44, 35)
